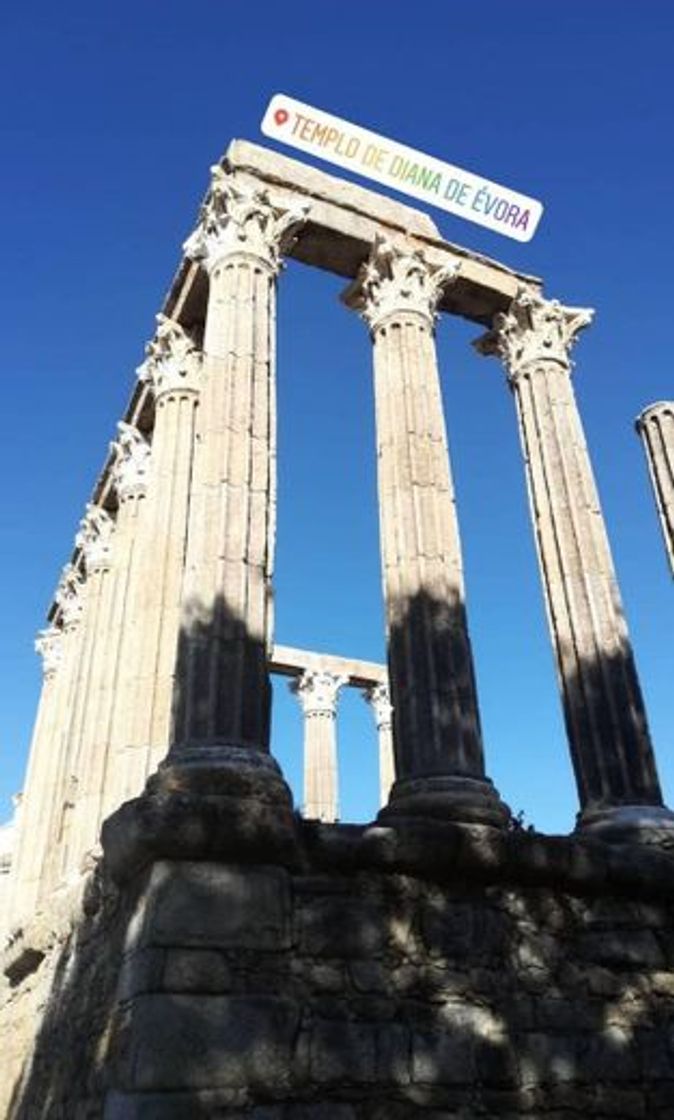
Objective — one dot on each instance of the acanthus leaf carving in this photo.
(378, 696)
(396, 281)
(172, 360)
(95, 537)
(132, 460)
(239, 218)
(317, 691)
(68, 596)
(49, 644)
(534, 331)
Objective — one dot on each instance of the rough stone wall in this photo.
(351, 987)
(57, 997)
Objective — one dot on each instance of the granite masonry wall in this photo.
(518, 976)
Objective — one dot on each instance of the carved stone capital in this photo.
(654, 412)
(317, 691)
(49, 644)
(172, 360)
(95, 537)
(396, 281)
(534, 331)
(378, 697)
(68, 596)
(237, 218)
(132, 461)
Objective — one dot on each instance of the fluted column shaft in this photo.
(604, 712)
(71, 598)
(30, 844)
(439, 758)
(223, 690)
(379, 699)
(141, 718)
(96, 541)
(317, 692)
(655, 425)
(129, 477)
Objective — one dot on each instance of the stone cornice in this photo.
(239, 219)
(95, 537)
(317, 691)
(534, 332)
(396, 281)
(172, 361)
(132, 460)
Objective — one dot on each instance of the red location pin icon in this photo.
(281, 116)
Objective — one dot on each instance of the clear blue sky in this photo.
(111, 116)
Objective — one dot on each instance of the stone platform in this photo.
(524, 976)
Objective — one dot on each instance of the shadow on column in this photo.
(436, 722)
(222, 691)
(610, 745)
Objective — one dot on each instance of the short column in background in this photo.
(317, 692)
(655, 425)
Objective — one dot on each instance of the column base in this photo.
(649, 824)
(447, 798)
(205, 802)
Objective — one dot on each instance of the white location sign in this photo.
(395, 165)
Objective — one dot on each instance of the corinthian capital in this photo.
(130, 468)
(48, 644)
(317, 691)
(238, 218)
(172, 359)
(378, 697)
(397, 281)
(68, 596)
(95, 537)
(532, 331)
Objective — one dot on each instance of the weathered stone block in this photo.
(208, 904)
(196, 970)
(627, 948)
(610, 1056)
(183, 1106)
(496, 1061)
(394, 1054)
(210, 1042)
(328, 1111)
(141, 972)
(548, 1058)
(370, 976)
(442, 1058)
(447, 929)
(342, 1052)
(342, 927)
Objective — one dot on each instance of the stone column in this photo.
(222, 688)
(439, 760)
(317, 693)
(655, 425)
(95, 541)
(379, 699)
(70, 598)
(142, 713)
(30, 843)
(605, 718)
(129, 476)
